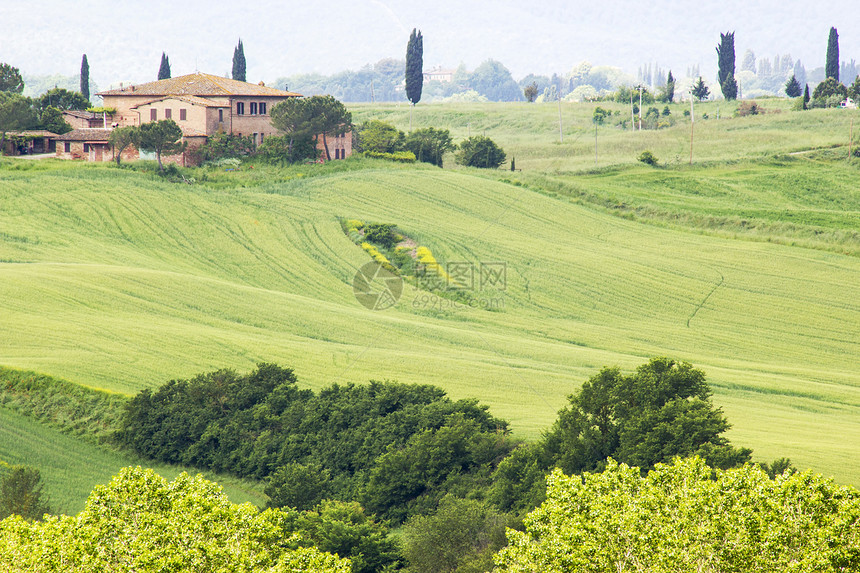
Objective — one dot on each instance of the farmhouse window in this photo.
(182, 114)
(261, 138)
(86, 148)
(240, 108)
(221, 115)
(67, 147)
(262, 108)
(168, 113)
(153, 114)
(253, 108)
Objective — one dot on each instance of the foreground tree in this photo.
(726, 62)
(480, 151)
(162, 137)
(121, 138)
(10, 79)
(831, 65)
(164, 68)
(688, 517)
(293, 117)
(429, 144)
(85, 78)
(140, 522)
(239, 62)
(21, 494)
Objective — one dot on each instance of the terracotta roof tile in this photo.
(33, 133)
(194, 100)
(86, 134)
(199, 84)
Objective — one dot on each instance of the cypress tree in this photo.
(239, 62)
(164, 69)
(414, 66)
(806, 97)
(831, 67)
(726, 61)
(670, 87)
(85, 77)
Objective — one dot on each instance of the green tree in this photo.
(828, 89)
(298, 486)
(700, 90)
(344, 529)
(379, 136)
(62, 99)
(164, 68)
(52, 120)
(293, 116)
(854, 89)
(224, 145)
(792, 87)
(16, 113)
(414, 66)
(21, 493)
(239, 62)
(480, 151)
(162, 137)
(429, 144)
(493, 80)
(531, 92)
(85, 78)
(328, 116)
(831, 66)
(122, 137)
(688, 517)
(660, 411)
(461, 535)
(668, 91)
(726, 62)
(140, 522)
(806, 97)
(10, 79)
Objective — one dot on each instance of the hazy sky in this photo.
(124, 40)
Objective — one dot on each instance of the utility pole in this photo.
(640, 107)
(632, 115)
(595, 144)
(560, 131)
(850, 138)
(692, 121)
(371, 91)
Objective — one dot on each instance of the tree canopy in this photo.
(122, 137)
(85, 78)
(162, 137)
(10, 79)
(164, 68)
(726, 63)
(21, 493)
(700, 90)
(688, 517)
(239, 62)
(831, 66)
(792, 87)
(429, 144)
(380, 137)
(414, 66)
(140, 522)
(480, 151)
(62, 99)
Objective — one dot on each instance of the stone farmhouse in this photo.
(201, 104)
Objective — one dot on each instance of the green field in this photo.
(117, 280)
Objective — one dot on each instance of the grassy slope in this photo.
(70, 467)
(119, 281)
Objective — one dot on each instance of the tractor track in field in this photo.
(707, 296)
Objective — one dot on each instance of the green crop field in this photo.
(118, 280)
(70, 467)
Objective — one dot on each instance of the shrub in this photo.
(746, 108)
(480, 151)
(381, 234)
(398, 156)
(379, 137)
(648, 157)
